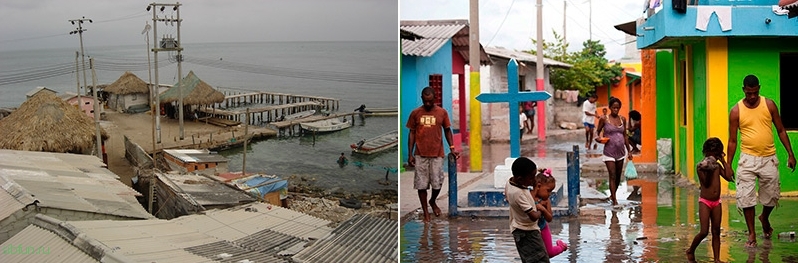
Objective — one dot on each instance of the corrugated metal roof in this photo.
(258, 232)
(436, 33)
(40, 245)
(12, 197)
(523, 57)
(235, 223)
(362, 238)
(226, 251)
(194, 156)
(68, 181)
(204, 191)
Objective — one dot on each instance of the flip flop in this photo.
(768, 234)
(767, 231)
(750, 244)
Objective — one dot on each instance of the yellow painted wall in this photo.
(718, 93)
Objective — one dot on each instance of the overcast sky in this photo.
(511, 23)
(27, 24)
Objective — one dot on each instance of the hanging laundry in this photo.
(653, 4)
(572, 96)
(704, 13)
(558, 94)
(780, 11)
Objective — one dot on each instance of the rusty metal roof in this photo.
(362, 238)
(523, 57)
(436, 33)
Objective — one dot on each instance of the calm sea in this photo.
(354, 72)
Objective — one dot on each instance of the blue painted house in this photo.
(434, 59)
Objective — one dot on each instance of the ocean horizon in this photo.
(355, 72)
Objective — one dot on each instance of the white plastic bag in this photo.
(664, 155)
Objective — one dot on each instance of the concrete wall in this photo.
(497, 125)
(136, 155)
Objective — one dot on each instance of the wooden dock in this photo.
(260, 113)
(264, 107)
(292, 127)
(238, 99)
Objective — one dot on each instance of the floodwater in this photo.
(657, 223)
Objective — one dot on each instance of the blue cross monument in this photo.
(514, 97)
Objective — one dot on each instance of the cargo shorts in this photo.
(428, 173)
(766, 169)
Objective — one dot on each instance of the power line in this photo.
(117, 64)
(502, 23)
(126, 17)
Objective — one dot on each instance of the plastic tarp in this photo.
(259, 186)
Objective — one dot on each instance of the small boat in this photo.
(328, 125)
(298, 115)
(377, 144)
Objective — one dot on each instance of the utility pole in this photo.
(541, 111)
(564, 5)
(246, 138)
(77, 78)
(96, 108)
(475, 123)
(155, 108)
(156, 84)
(80, 31)
(169, 44)
(590, 18)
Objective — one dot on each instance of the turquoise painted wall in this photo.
(761, 58)
(748, 19)
(699, 110)
(415, 76)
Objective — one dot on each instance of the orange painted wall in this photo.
(648, 107)
(641, 96)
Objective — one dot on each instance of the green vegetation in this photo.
(590, 68)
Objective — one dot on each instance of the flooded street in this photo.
(657, 223)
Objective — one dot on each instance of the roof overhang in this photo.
(630, 28)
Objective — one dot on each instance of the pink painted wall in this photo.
(87, 107)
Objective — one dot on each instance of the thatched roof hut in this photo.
(45, 123)
(128, 83)
(195, 92)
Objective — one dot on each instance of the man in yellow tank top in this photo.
(753, 116)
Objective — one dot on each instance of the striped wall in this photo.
(715, 68)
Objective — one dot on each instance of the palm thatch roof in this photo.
(128, 83)
(195, 92)
(45, 123)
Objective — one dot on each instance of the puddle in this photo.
(656, 225)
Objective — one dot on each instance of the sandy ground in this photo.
(138, 128)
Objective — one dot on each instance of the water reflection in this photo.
(656, 224)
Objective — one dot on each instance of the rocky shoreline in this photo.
(337, 205)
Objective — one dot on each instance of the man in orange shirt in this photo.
(753, 116)
(427, 123)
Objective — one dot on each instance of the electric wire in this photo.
(117, 64)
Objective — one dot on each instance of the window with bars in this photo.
(436, 83)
